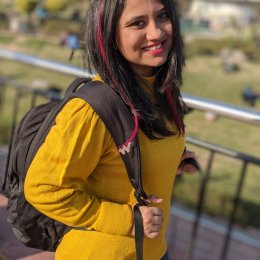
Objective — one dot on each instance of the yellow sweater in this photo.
(78, 177)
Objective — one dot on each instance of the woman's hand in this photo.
(188, 163)
(152, 218)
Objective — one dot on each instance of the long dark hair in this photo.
(102, 57)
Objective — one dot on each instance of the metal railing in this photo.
(218, 108)
(198, 103)
(213, 150)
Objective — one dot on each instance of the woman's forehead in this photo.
(139, 7)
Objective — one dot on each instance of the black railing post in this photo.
(202, 193)
(33, 99)
(2, 94)
(13, 124)
(233, 213)
(16, 109)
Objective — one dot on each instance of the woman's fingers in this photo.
(153, 199)
(189, 168)
(158, 220)
(153, 235)
(152, 217)
(188, 163)
(188, 154)
(152, 220)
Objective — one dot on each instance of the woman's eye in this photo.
(138, 23)
(163, 16)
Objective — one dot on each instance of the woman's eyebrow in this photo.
(134, 18)
(163, 9)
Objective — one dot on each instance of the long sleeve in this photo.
(56, 182)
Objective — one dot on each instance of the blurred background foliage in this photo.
(26, 6)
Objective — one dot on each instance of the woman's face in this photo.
(144, 35)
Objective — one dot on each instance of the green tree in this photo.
(26, 6)
(55, 5)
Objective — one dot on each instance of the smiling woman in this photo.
(143, 36)
(134, 47)
(145, 40)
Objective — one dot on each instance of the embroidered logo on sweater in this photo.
(125, 148)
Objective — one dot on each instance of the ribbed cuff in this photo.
(114, 218)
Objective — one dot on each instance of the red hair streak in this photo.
(121, 91)
(100, 39)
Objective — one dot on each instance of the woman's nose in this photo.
(154, 31)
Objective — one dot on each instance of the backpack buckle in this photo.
(140, 199)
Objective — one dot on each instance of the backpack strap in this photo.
(75, 84)
(117, 118)
(120, 123)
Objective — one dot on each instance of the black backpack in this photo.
(33, 228)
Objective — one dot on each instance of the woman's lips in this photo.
(155, 48)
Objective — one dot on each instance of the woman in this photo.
(135, 47)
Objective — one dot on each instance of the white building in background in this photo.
(221, 15)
